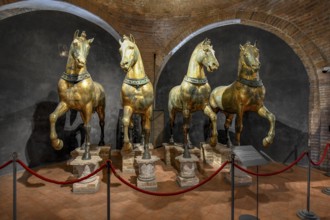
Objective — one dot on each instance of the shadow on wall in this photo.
(38, 147)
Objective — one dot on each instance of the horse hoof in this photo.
(101, 143)
(57, 144)
(213, 142)
(266, 142)
(127, 147)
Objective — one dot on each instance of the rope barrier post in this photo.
(108, 190)
(232, 168)
(307, 214)
(14, 155)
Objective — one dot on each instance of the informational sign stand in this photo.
(249, 156)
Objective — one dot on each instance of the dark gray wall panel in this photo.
(283, 74)
(30, 68)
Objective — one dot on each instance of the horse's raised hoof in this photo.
(101, 143)
(267, 141)
(127, 148)
(57, 144)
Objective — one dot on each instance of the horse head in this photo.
(79, 48)
(206, 55)
(249, 56)
(129, 52)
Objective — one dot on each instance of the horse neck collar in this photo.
(75, 78)
(193, 80)
(137, 82)
(251, 83)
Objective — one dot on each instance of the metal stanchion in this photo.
(232, 184)
(108, 190)
(14, 185)
(307, 214)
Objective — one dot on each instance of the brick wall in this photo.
(158, 26)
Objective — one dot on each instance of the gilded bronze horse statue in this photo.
(78, 91)
(247, 93)
(194, 92)
(137, 93)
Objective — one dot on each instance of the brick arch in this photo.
(309, 54)
(20, 7)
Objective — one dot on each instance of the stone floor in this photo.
(279, 199)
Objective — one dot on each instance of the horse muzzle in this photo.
(212, 67)
(125, 66)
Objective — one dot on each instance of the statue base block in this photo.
(128, 162)
(240, 178)
(187, 182)
(187, 176)
(102, 151)
(215, 156)
(146, 178)
(85, 188)
(84, 168)
(172, 151)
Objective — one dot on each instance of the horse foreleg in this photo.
(101, 114)
(146, 128)
(186, 127)
(213, 118)
(87, 115)
(172, 114)
(229, 119)
(265, 113)
(61, 108)
(239, 126)
(128, 111)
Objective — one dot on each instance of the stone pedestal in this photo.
(173, 151)
(187, 175)
(216, 156)
(128, 159)
(146, 178)
(84, 168)
(241, 178)
(128, 162)
(102, 151)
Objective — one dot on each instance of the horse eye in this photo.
(206, 50)
(131, 47)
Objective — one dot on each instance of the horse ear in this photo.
(241, 47)
(120, 42)
(132, 38)
(90, 40)
(255, 43)
(76, 33)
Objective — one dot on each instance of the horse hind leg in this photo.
(172, 120)
(101, 113)
(229, 119)
(146, 122)
(61, 108)
(265, 113)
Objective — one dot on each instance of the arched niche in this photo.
(33, 36)
(283, 74)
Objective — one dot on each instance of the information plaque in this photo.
(249, 156)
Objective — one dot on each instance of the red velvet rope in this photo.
(322, 158)
(60, 182)
(6, 164)
(274, 173)
(170, 193)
